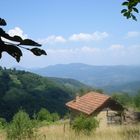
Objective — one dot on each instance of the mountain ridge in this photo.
(93, 75)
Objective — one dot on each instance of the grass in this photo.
(62, 131)
(104, 132)
(2, 134)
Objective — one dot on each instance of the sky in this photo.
(72, 31)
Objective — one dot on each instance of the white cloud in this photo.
(116, 47)
(89, 37)
(76, 50)
(116, 54)
(87, 49)
(17, 31)
(52, 39)
(75, 37)
(132, 34)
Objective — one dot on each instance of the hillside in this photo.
(20, 89)
(105, 77)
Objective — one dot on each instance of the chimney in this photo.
(77, 97)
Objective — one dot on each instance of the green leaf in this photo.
(136, 10)
(1, 53)
(38, 52)
(18, 38)
(13, 51)
(2, 22)
(125, 3)
(29, 42)
(124, 10)
(127, 15)
(134, 18)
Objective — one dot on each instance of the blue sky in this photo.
(73, 31)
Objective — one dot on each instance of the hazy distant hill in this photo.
(130, 87)
(110, 78)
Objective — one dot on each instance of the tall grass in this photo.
(62, 131)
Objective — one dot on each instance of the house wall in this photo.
(108, 118)
(105, 117)
(102, 118)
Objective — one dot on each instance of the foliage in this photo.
(14, 49)
(20, 89)
(85, 124)
(137, 100)
(128, 12)
(3, 123)
(44, 114)
(99, 91)
(55, 116)
(128, 100)
(21, 127)
(72, 85)
(123, 98)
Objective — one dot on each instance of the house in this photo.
(93, 104)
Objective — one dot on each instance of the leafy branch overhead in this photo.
(130, 9)
(14, 49)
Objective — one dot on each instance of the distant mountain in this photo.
(31, 92)
(130, 87)
(109, 78)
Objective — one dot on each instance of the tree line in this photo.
(128, 100)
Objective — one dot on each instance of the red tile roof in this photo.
(88, 103)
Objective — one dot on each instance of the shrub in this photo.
(2, 123)
(21, 127)
(44, 115)
(84, 124)
(55, 117)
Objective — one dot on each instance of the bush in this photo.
(21, 127)
(2, 123)
(85, 124)
(44, 115)
(55, 117)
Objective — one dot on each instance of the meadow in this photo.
(62, 131)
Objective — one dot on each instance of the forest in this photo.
(31, 92)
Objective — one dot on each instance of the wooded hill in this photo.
(31, 92)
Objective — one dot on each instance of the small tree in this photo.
(21, 127)
(85, 124)
(55, 117)
(44, 114)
